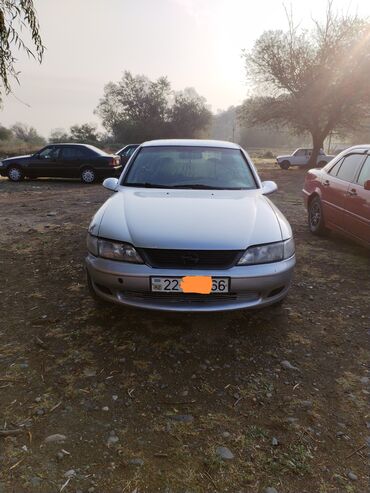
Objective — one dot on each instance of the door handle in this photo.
(352, 192)
(326, 183)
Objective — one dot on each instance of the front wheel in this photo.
(88, 175)
(15, 173)
(316, 222)
(285, 165)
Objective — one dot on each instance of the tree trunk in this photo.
(318, 144)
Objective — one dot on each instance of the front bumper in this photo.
(250, 286)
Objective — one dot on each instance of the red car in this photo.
(337, 197)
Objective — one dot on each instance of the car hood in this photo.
(17, 158)
(189, 219)
(284, 157)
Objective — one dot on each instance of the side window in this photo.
(364, 173)
(83, 153)
(334, 170)
(49, 153)
(300, 152)
(349, 167)
(128, 152)
(70, 153)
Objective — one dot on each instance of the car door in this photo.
(299, 157)
(44, 162)
(357, 208)
(70, 162)
(334, 188)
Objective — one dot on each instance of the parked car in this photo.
(126, 152)
(301, 157)
(190, 229)
(337, 197)
(63, 160)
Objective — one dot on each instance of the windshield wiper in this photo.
(194, 186)
(145, 185)
(197, 186)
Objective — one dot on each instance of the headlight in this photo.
(92, 244)
(272, 252)
(113, 250)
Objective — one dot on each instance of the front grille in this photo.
(191, 259)
(189, 297)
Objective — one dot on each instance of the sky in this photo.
(195, 43)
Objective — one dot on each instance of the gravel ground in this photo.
(122, 400)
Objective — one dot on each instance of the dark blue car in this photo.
(64, 161)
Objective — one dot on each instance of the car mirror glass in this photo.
(111, 184)
(268, 187)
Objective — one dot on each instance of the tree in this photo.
(86, 133)
(16, 17)
(5, 133)
(188, 114)
(59, 135)
(134, 109)
(27, 134)
(137, 109)
(312, 81)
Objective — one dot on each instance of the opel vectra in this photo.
(189, 228)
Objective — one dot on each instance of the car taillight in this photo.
(113, 161)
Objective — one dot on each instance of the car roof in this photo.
(191, 143)
(363, 147)
(77, 144)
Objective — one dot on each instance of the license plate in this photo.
(190, 284)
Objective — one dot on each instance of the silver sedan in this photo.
(189, 228)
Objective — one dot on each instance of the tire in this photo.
(15, 173)
(285, 165)
(316, 222)
(88, 176)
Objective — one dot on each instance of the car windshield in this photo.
(190, 167)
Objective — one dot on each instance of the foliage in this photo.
(19, 139)
(227, 126)
(16, 17)
(86, 133)
(27, 134)
(58, 135)
(188, 114)
(5, 133)
(136, 109)
(314, 81)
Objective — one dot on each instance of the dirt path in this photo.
(144, 399)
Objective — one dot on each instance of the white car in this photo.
(301, 157)
(189, 228)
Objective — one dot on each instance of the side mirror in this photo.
(111, 183)
(36, 156)
(367, 185)
(269, 187)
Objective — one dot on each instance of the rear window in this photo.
(190, 167)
